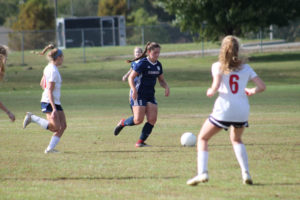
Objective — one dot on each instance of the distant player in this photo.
(142, 81)
(50, 102)
(231, 109)
(137, 53)
(3, 57)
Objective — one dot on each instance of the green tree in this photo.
(112, 7)
(215, 18)
(34, 15)
(77, 7)
(8, 9)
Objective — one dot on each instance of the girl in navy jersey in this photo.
(3, 57)
(231, 109)
(142, 81)
(50, 102)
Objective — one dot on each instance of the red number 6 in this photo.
(234, 86)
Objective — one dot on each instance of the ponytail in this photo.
(50, 46)
(144, 54)
(3, 55)
(52, 55)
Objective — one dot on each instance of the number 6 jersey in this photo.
(232, 103)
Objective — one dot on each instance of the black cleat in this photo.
(119, 127)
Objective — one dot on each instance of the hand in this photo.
(53, 114)
(249, 92)
(210, 92)
(167, 91)
(11, 116)
(124, 78)
(134, 95)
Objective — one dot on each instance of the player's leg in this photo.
(240, 153)
(151, 114)
(207, 131)
(54, 126)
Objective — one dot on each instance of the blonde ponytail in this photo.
(3, 55)
(52, 55)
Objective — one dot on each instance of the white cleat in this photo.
(202, 178)
(51, 151)
(27, 119)
(247, 178)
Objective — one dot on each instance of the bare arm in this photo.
(131, 77)
(126, 75)
(215, 85)
(260, 87)
(42, 82)
(9, 114)
(164, 84)
(51, 99)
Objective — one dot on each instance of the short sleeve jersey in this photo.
(232, 104)
(51, 74)
(146, 80)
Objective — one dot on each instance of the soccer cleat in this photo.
(119, 127)
(202, 178)
(51, 151)
(27, 119)
(142, 144)
(247, 178)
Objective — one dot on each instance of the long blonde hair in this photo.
(3, 55)
(149, 46)
(229, 54)
(52, 55)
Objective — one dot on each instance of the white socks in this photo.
(53, 142)
(40, 121)
(202, 161)
(241, 156)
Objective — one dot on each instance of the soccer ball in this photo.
(188, 139)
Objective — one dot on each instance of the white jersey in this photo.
(232, 103)
(51, 74)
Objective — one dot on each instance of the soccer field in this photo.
(94, 164)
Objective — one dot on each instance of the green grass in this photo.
(94, 164)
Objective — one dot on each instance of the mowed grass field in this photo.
(94, 164)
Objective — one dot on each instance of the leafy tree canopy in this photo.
(215, 18)
(112, 7)
(35, 15)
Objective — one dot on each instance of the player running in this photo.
(3, 58)
(50, 102)
(142, 81)
(231, 109)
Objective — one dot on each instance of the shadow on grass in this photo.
(87, 178)
(275, 57)
(272, 184)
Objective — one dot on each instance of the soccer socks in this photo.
(202, 159)
(129, 121)
(147, 129)
(53, 142)
(241, 155)
(40, 121)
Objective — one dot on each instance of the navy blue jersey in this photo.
(146, 80)
(133, 64)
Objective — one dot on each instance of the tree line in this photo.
(209, 19)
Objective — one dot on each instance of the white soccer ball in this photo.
(188, 139)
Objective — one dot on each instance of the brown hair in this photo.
(229, 54)
(52, 55)
(3, 55)
(149, 47)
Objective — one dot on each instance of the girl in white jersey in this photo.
(231, 109)
(50, 102)
(3, 56)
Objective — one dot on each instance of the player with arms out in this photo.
(231, 108)
(50, 102)
(3, 58)
(142, 82)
